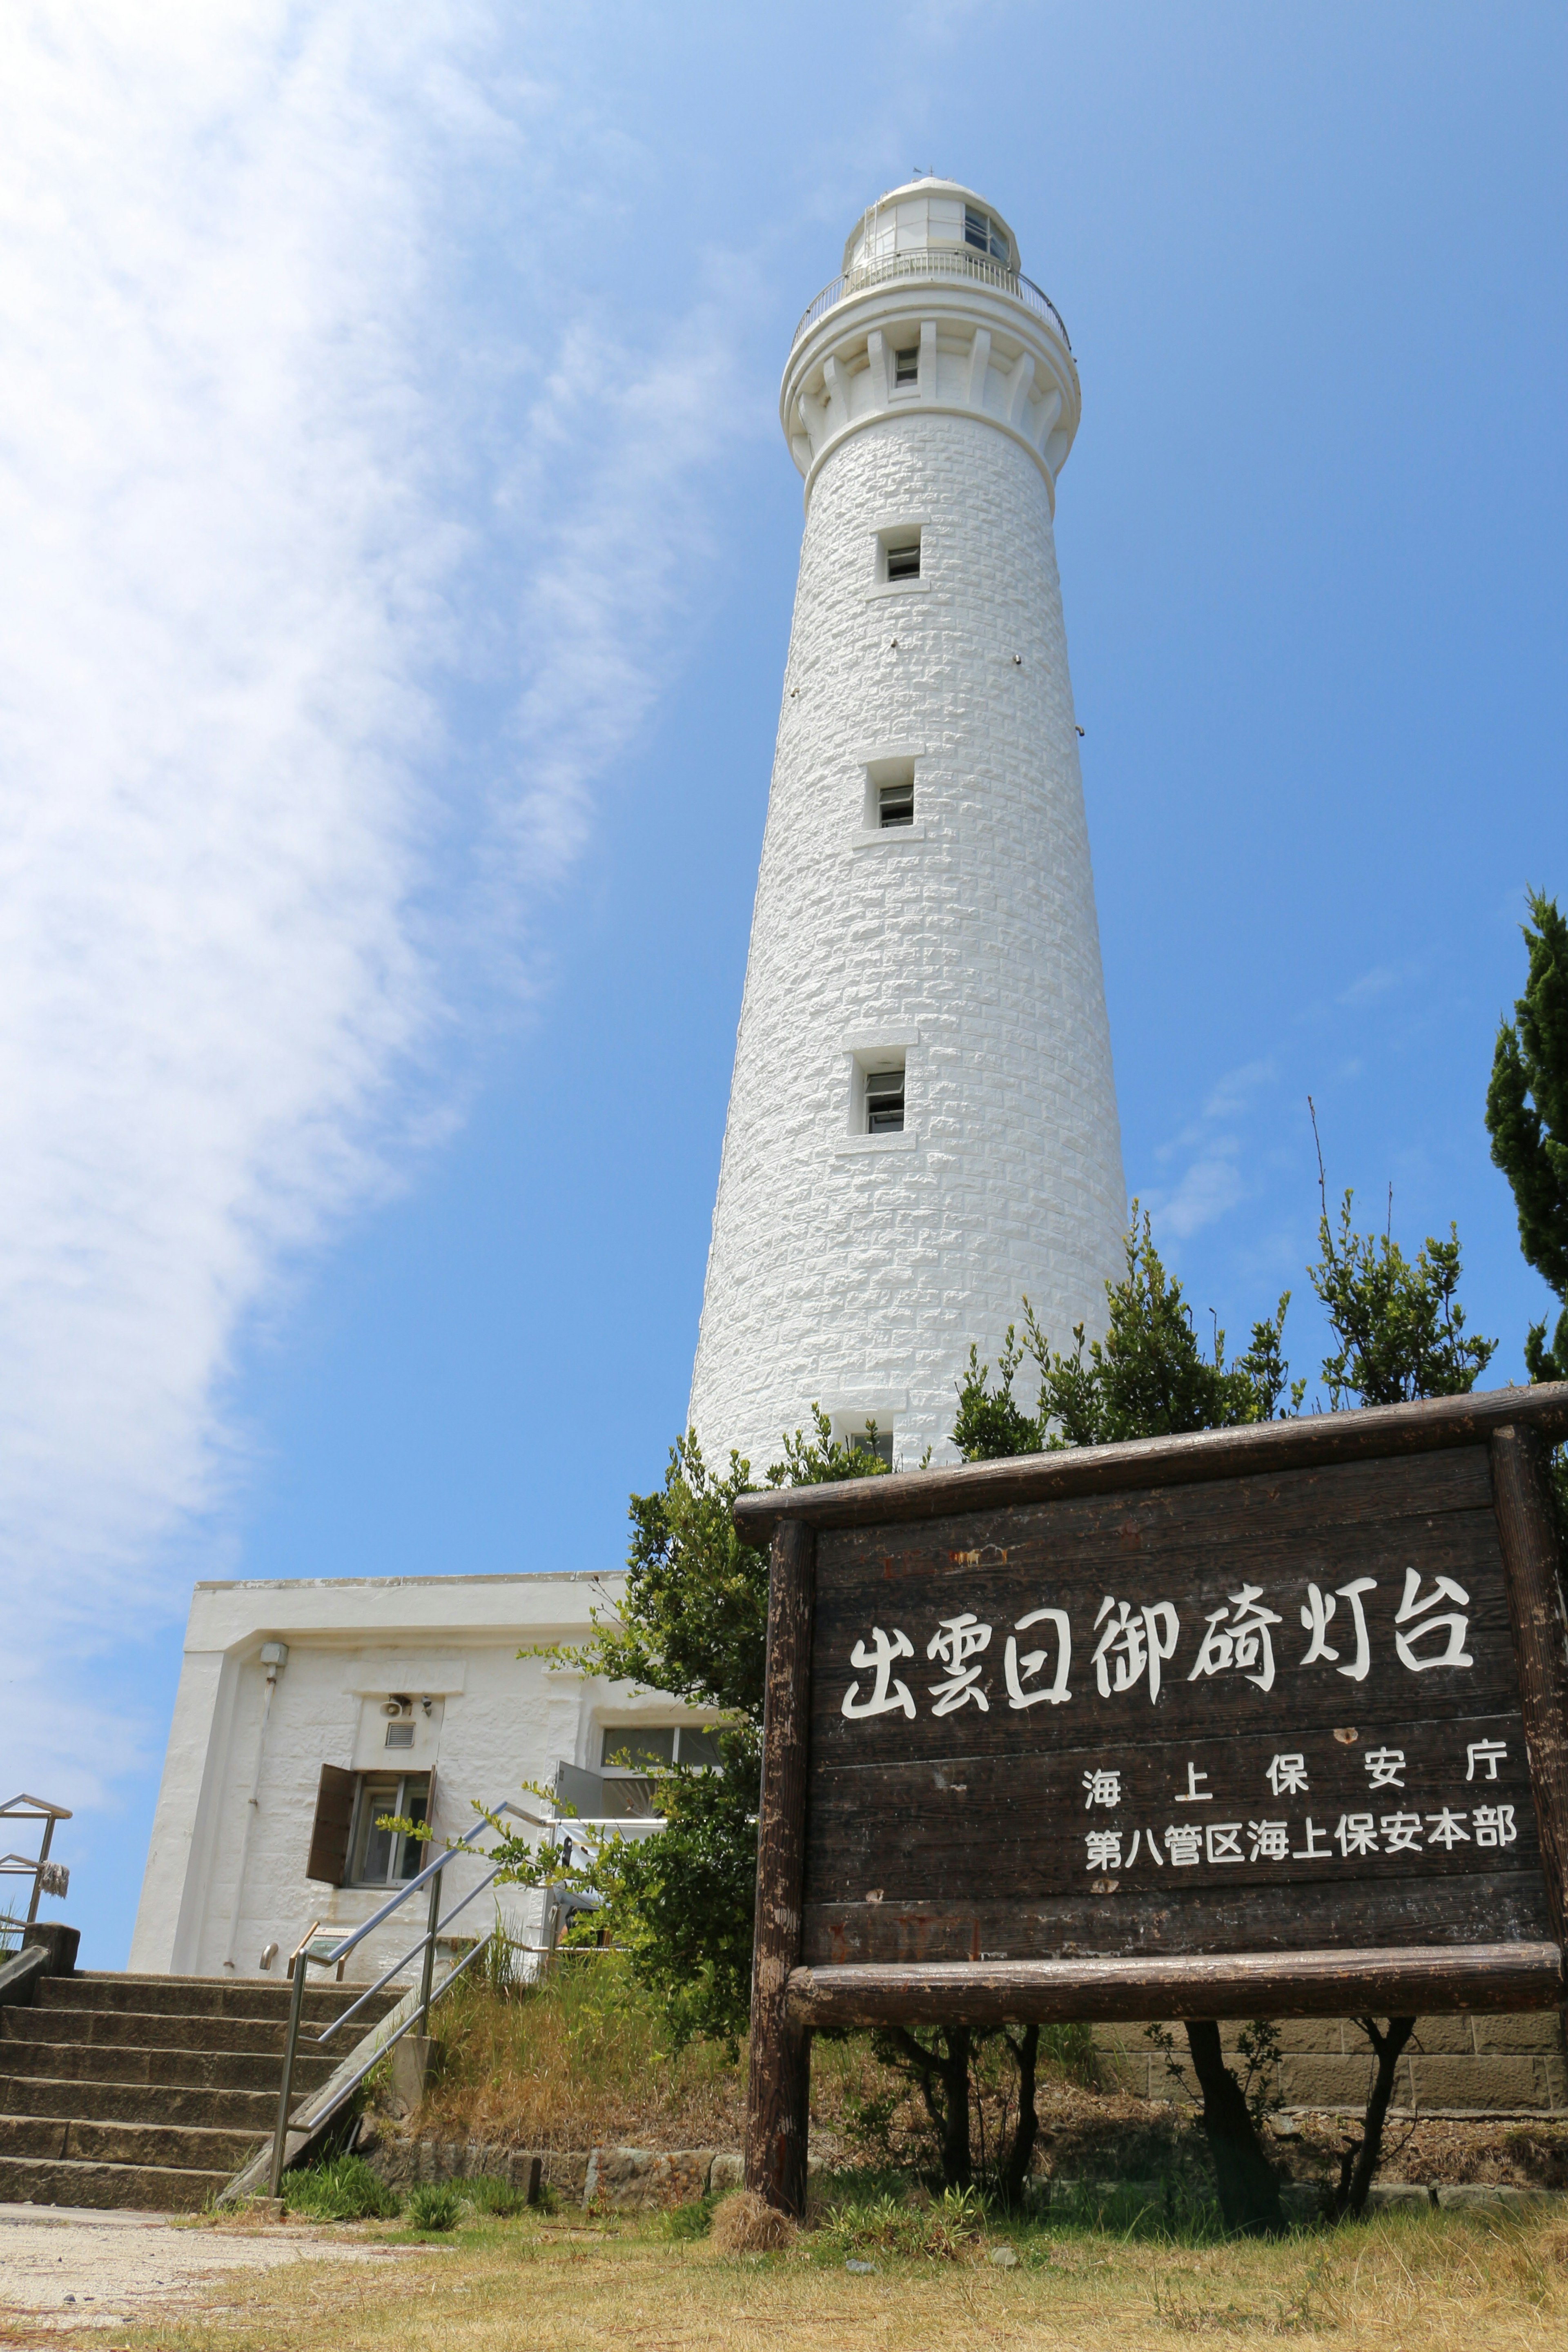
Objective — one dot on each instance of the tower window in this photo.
(980, 233)
(863, 1433)
(896, 805)
(898, 552)
(885, 1102)
(907, 366)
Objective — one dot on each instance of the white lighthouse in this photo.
(922, 1115)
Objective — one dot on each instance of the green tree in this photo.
(692, 1622)
(1398, 1321)
(1527, 1118)
(1401, 1334)
(1148, 1377)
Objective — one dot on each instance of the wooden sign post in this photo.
(1268, 1721)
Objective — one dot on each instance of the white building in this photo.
(922, 1128)
(922, 1118)
(309, 1708)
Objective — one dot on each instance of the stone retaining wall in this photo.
(1453, 2067)
(615, 2180)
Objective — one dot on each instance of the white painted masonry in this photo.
(225, 1869)
(850, 1269)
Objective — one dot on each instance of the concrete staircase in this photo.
(151, 2091)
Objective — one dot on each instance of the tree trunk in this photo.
(1248, 2185)
(1015, 2169)
(957, 2165)
(1358, 2166)
(942, 2073)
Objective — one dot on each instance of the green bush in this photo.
(887, 2224)
(692, 2221)
(434, 2205)
(346, 2189)
(498, 2198)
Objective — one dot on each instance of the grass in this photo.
(586, 2060)
(1401, 2284)
(434, 2205)
(345, 2189)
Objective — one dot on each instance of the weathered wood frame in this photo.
(1516, 1425)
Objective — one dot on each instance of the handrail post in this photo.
(427, 1970)
(296, 2003)
(38, 1872)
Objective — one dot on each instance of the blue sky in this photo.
(390, 676)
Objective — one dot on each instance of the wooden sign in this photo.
(1268, 1721)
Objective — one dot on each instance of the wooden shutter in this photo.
(331, 1830)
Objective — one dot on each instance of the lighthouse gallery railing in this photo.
(933, 261)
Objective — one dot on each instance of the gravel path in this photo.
(66, 2266)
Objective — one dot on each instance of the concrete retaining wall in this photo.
(1454, 2065)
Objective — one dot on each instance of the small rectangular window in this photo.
(628, 1751)
(907, 366)
(904, 562)
(896, 805)
(877, 1442)
(885, 1102)
(694, 1748)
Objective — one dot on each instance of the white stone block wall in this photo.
(855, 1271)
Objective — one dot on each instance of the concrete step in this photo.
(140, 2103)
(135, 2144)
(204, 1997)
(195, 2070)
(155, 2029)
(151, 2188)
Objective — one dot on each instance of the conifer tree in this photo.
(1527, 1118)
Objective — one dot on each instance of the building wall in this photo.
(225, 1876)
(855, 1271)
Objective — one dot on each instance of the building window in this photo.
(632, 1757)
(381, 1857)
(903, 560)
(871, 1440)
(896, 805)
(907, 366)
(885, 1102)
(981, 234)
(632, 1749)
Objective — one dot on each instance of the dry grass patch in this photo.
(583, 2060)
(744, 2224)
(1399, 2285)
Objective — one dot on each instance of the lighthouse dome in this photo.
(925, 214)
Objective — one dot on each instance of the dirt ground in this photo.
(64, 2268)
(1400, 2285)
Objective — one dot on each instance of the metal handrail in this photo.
(472, 1896)
(303, 1957)
(932, 261)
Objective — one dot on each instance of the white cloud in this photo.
(1213, 1183)
(1380, 981)
(236, 559)
(1211, 1187)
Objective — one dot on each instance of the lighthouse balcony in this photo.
(950, 262)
